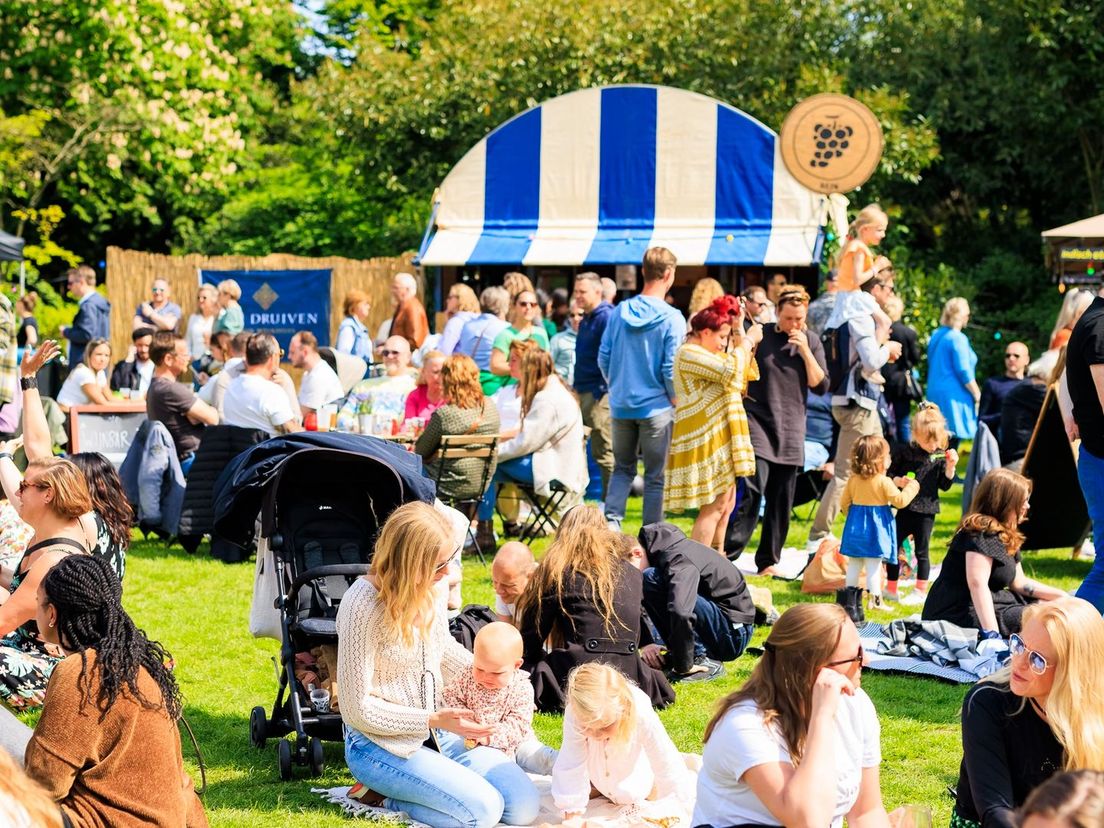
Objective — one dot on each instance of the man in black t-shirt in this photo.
(1085, 379)
(173, 403)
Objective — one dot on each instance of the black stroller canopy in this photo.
(329, 461)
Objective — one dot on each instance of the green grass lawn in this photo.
(198, 608)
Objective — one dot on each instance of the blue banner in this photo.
(281, 302)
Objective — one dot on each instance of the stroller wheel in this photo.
(317, 760)
(258, 727)
(283, 752)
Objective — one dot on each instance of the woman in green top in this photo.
(231, 318)
(466, 411)
(523, 325)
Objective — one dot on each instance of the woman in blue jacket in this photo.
(951, 363)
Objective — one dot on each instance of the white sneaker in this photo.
(1087, 552)
(891, 597)
(915, 598)
(811, 546)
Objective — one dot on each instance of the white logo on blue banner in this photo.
(281, 302)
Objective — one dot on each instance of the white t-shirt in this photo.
(502, 608)
(199, 330)
(71, 392)
(508, 403)
(320, 386)
(254, 402)
(740, 741)
(145, 376)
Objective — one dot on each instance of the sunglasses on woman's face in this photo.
(24, 485)
(858, 658)
(1035, 661)
(522, 304)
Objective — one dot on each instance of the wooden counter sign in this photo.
(108, 429)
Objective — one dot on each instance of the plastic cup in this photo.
(915, 816)
(365, 423)
(326, 414)
(320, 700)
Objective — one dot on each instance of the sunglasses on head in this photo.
(1035, 661)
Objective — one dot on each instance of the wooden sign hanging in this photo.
(831, 143)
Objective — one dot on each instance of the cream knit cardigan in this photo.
(389, 689)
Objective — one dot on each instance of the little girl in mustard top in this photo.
(869, 534)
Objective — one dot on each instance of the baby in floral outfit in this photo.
(497, 692)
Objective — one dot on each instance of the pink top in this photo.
(510, 708)
(418, 404)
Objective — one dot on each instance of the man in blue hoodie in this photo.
(93, 319)
(637, 358)
(590, 385)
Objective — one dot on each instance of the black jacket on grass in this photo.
(690, 569)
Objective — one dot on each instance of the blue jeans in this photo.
(1090, 471)
(714, 633)
(515, 470)
(455, 788)
(653, 436)
(901, 411)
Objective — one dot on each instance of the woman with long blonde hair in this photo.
(1039, 715)
(982, 584)
(615, 742)
(798, 744)
(395, 657)
(587, 601)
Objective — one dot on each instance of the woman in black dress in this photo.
(586, 602)
(982, 584)
(1036, 717)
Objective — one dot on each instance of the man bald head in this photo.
(396, 355)
(510, 573)
(1016, 358)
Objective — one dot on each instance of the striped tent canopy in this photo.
(600, 175)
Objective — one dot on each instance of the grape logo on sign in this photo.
(831, 143)
(831, 140)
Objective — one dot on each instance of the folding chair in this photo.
(810, 487)
(455, 447)
(543, 510)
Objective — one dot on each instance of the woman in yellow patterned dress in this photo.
(710, 442)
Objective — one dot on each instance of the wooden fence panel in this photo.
(131, 272)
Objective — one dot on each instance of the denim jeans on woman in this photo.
(456, 788)
(515, 470)
(1090, 471)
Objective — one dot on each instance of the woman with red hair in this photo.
(710, 442)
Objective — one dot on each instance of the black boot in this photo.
(851, 599)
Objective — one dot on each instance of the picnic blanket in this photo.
(788, 568)
(600, 812)
(931, 648)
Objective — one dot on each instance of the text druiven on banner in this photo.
(281, 302)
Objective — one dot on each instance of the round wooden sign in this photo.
(831, 143)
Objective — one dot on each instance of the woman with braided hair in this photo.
(107, 747)
(50, 499)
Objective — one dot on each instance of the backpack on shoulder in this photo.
(469, 622)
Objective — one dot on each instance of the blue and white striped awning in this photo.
(600, 175)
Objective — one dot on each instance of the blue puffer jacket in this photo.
(152, 478)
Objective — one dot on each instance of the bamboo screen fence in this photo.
(130, 273)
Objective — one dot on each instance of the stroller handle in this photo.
(322, 572)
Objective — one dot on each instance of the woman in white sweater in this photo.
(394, 658)
(549, 443)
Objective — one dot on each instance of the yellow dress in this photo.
(710, 442)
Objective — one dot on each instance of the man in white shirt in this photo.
(254, 399)
(320, 384)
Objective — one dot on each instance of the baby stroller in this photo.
(322, 498)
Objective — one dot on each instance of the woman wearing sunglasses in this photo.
(798, 744)
(1038, 716)
(982, 583)
(51, 499)
(405, 750)
(524, 324)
